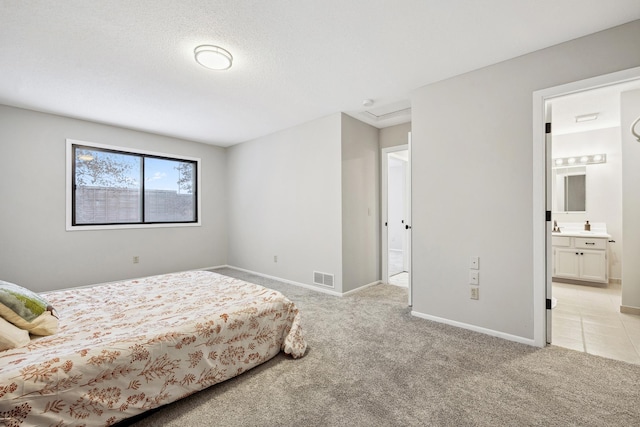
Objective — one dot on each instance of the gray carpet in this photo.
(370, 363)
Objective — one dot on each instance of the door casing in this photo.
(540, 155)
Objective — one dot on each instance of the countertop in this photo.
(578, 233)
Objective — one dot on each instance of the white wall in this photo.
(285, 201)
(603, 185)
(472, 180)
(35, 249)
(360, 204)
(630, 110)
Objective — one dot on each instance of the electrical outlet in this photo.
(474, 277)
(136, 259)
(475, 292)
(275, 258)
(474, 263)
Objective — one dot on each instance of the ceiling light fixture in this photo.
(213, 57)
(586, 117)
(367, 103)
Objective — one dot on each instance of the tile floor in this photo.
(396, 262)
(400, 279)
(587, 318)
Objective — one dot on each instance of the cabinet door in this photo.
(593, 265)
(566, 263)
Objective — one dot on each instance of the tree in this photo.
(185, 178)
(99, 168)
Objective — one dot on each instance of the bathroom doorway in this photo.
(396, 216)
(587, 316)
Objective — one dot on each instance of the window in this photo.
(112, 187)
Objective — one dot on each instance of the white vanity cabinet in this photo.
(580, 258)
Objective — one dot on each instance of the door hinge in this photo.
(548, 304)
(548, 216)
(547, 128)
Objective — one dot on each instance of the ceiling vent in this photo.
(391, 115)
(396, 110)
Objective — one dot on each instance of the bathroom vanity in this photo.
(581, 255)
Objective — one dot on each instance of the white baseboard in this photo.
(629, 310)
(474, 328)
(353, 291)
(212, 268)
(303, 285)
(290, 282)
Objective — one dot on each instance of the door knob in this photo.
(407, 227)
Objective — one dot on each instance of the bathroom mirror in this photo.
(570, 189)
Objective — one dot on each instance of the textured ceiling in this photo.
(130, 63)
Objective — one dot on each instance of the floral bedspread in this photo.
(127, 347)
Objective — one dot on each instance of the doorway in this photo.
(544, 286)
(586, 300)
(396, 217)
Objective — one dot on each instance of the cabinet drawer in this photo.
(586, 243)
(561, 241)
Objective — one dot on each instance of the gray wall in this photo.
(360, 204)
(471, 152)
(630, 110)
(394, 135)
(35, 249)
(285, 201)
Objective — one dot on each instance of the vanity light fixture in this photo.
(213, 57)
(586, 117)
(580, 160)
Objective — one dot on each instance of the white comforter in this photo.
(127, 347)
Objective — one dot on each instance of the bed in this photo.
(127, 347)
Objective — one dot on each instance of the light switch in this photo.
(474, 277)
(474, 264)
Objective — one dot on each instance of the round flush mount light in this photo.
(213, 57)
(367, 102)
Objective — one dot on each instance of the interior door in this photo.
(548, 201)
(408, 222)
(403, 220)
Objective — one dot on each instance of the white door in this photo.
(396, 216)
(548, 228)
(408, 221)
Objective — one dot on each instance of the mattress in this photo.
(126, 347)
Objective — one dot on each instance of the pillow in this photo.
(11, 336)
(27, 310)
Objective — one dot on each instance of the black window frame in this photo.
(76, 145)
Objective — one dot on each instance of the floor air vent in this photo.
(323, 279)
